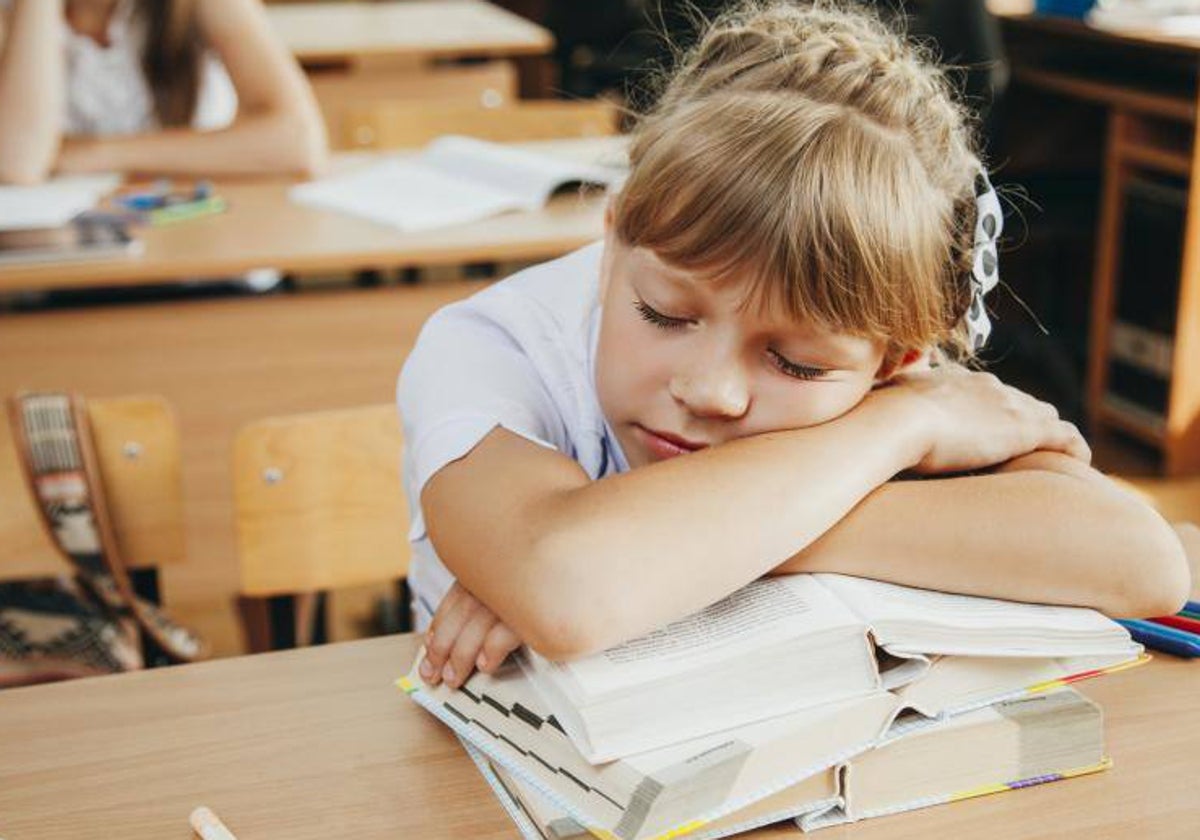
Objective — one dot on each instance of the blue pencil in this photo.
(1162, 638)
(1192, 606)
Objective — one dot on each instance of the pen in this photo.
(1180, 622)
(1162, 638)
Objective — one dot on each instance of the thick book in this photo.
(748, 775)
(786, 643)
(1005, 747)
(452, 181)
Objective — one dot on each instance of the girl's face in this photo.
(682, 363)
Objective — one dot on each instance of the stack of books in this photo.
(820, 699)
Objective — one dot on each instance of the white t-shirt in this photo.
(520, 355)
(108, 94)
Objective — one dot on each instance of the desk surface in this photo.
(318, 744)
(1022, 13)
(423, 29)
(264, 229)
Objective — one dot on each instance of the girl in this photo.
(729, 385)
(141, 85)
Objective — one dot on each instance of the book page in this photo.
(406, 195)
(883, 604)
(53, 203)
(765, 612)
(529, 177)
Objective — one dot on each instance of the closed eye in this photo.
(655, 317)
(795, 370)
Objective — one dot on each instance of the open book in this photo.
(786, 643)
(1008, 746)
(454, 180)
(750, 775)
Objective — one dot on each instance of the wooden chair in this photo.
(319, 506)
(137, 445)
(344, 96)
(404, 125)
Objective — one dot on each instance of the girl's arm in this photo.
(278, 127)
(573, 566)
(31, 89)
(1043, 527)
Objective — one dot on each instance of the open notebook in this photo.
(454, 180)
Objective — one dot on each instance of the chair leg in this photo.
(280, 622)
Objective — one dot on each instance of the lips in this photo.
(667, 445)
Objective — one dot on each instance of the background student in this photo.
(158, 86)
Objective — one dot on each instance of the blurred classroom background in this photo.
(1088, 124)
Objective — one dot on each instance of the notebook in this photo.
(54, 203)
(454, 180)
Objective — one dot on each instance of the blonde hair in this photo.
(811, 150)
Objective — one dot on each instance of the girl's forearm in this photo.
(618, 557)
(256, 144)
(1048, 529)
(31, 90)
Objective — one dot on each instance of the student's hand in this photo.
(974, 421)
(464, 635)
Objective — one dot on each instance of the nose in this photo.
(717, 389)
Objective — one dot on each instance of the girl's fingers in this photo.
(467, 646)
(451, 616)
(499, 643)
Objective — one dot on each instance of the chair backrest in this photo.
(345, 97)
(319, 503)
(406, 125)
(138, 448)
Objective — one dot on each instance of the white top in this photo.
(108, 94)
(520, 355)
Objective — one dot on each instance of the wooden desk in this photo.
(422, 30)
(317, 743)
(264, 229)
(1148, 85)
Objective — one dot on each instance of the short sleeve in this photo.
(466, 376)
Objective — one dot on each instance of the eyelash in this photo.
(666, 322)
(794, 370)
(658, 319)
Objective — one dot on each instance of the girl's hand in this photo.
(464, 635)
(976, 421)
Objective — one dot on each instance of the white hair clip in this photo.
(985, 262)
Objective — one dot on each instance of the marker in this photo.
(1162, 638)
(1179, 622)
(207, 825)
(187, 210)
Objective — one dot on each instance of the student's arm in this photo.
(1043, 527)
(278, 127)
(573, 566)
(31, 89)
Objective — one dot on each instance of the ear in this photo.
(889, 367)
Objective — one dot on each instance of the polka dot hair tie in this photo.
(985, 262)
